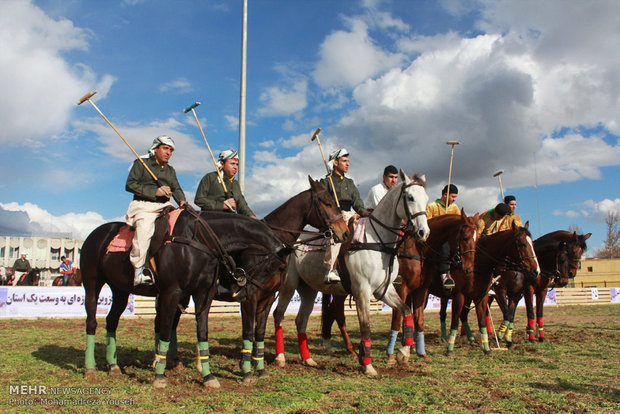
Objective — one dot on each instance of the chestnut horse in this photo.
(75, 279)
(506, 249)
(202, 250)
(419, 265)
(31, 278)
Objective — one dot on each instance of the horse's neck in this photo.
(290, 217)
(444, 232)
(385, 213)
(486, 261)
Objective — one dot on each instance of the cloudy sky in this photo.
(528, 87)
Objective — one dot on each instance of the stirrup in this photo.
(143, 278)
(448, 283)
(331, 278)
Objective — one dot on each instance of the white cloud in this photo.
(41, 84)
(180, 85)
(600, 209)
(78, 224)
(284, 100)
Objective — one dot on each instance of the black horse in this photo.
(31, 278)
(201, 251)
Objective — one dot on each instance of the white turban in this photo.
(226, 155)
(161, 140)
(342, 152)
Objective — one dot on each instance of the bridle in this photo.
(456, 259)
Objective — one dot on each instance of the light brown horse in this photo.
(419, 265)
(75, 279)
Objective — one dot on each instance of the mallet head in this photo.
(500, 172)
(316, 134)
(452, 142)
(86, 97)
(192, 106)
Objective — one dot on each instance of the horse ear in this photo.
(586, 236)
(527, 224)
(423, 179)
(463, 215)
(403, 176)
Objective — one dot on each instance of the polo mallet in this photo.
(87, 98)
(315, 136)
(452, 143)
(499, 348)
(227, 194)
(499, 177)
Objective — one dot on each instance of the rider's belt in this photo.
(345, 205)
(157, 200)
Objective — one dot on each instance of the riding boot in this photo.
(447, 281)
(142, 276)
(332, 277)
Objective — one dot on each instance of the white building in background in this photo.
(43, 252)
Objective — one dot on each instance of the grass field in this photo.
(575, 370)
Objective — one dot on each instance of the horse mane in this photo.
(559, 236)
(284, 206)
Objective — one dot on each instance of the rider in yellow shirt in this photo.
(495, 220)
(511, 201)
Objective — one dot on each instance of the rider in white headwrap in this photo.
(149, 199)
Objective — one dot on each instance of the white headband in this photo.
(161, 140)
(342, 152)
(228, 154)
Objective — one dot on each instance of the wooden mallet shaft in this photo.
(315, 136)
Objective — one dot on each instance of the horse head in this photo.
(413, 207)
(466, 240)
(525, 250)
(569, 258)
(329, 216)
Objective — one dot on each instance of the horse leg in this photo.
(119, 303)
(528, 295)
(540, 303)
(168, 301)
(248, 315)
(362, 303)
(262, 314)
(308, 295)
(442, 318)
(465, 325)
(457, 307)
(392, 299)
(510, 315)
(338, 313)
(92, 291)
(327, 320)
(482, 307)
(403, 292)
(203, 301)
(419, 302)
(287, 290)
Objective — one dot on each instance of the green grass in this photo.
(575, 370)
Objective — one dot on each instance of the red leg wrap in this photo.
(530, 329)
(279, 340)
(488, 321)
(541, 323)
(303, 345)
(366, 346)
(408, 323)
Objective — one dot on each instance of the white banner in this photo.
(36, 301)
(293, 305)
(615, 295)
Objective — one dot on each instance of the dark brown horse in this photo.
(75, 279)
(506, 249)
(574, 245)
(201, 251)
(419, 265)
(31, 278)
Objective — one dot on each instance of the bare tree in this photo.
(574, 228)
(611, 245)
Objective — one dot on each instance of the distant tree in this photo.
(574, 228)
(611, 245)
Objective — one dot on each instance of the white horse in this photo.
(369, 268)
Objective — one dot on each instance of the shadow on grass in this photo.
(561, 385)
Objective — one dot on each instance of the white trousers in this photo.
(142, 215)
(333, 249)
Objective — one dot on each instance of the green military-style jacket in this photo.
(347, 192)
(210, 194)
(22, 265)
(143, 186)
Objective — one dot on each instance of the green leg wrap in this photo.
(452, 339)
(173, 352)
(468, 332)
(485, 339)
(444, 335)
(89, 358)
(160, 357)
(203, 356)
(509, 332)
(110, 353)
(258, 356)
(246, 357)
(502, 329)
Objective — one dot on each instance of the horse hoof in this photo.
(402, 359)
(160, 383)
(487, 351)
(174, 364)
(509, 344)
(280, 361)
(369, 371)
(261, 373)
(327, 345)
(541, 339)
(115, 370)
(532, 341)
(210, 382)
(90, 376)
(248, 378)
(391, 360)
(449, 353)
(309, 362)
